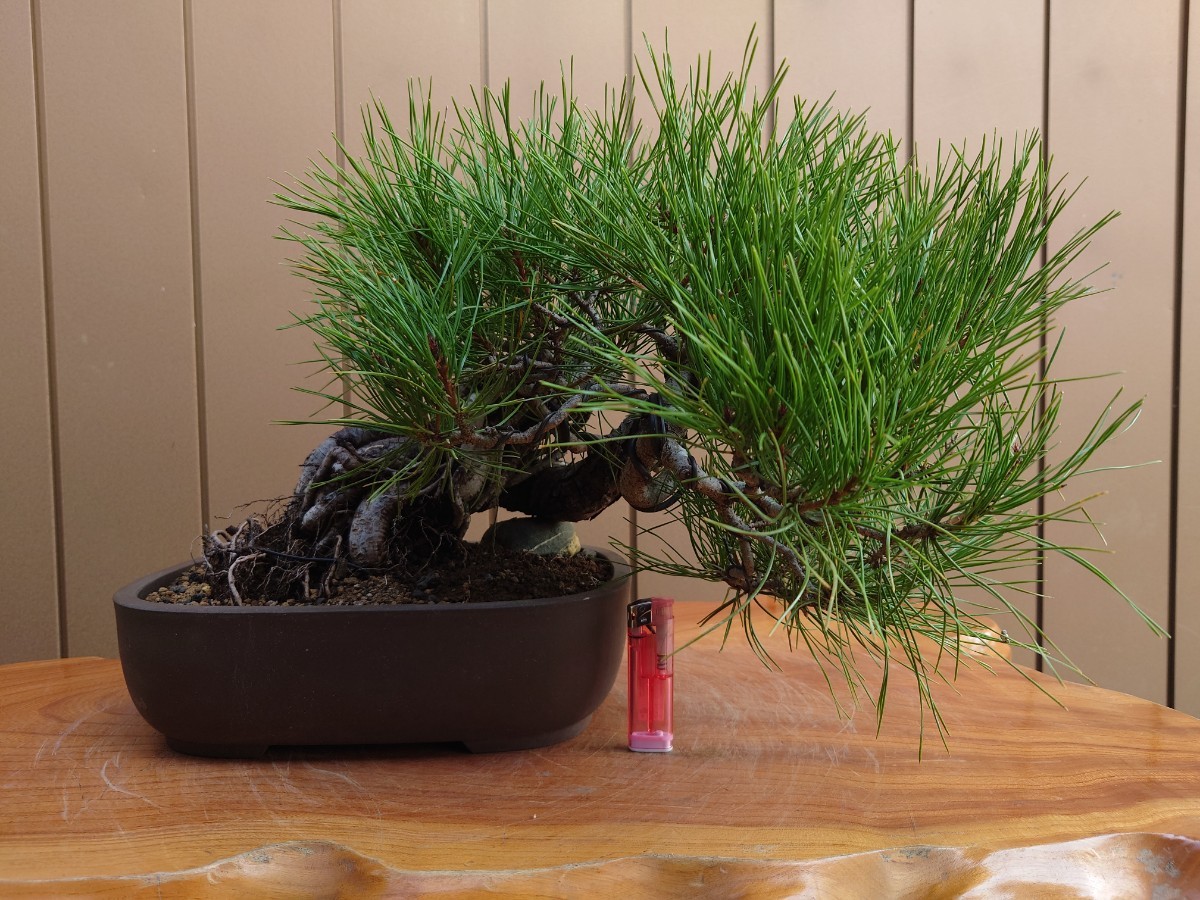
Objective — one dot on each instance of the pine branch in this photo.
(827, 359)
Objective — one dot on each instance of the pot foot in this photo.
(221, 751)
(527, 742)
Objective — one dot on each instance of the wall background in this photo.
(141, 286)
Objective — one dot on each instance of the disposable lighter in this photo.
(651, 674)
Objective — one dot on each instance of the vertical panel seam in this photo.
(1043, 347)
(629, 41)
(339, 126)
(189, 81)
(1177, 348)
(910, 122)
(772, 63)
(484, 50)
(484, 64)
(39, 100)
(339, 84)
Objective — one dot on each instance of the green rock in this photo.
(542, 536)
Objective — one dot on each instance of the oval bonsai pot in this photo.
(234, 680)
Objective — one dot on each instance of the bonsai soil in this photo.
(477, 573)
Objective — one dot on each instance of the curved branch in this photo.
(575, 491)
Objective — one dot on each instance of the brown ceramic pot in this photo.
(233, 681)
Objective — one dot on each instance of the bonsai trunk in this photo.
(353, 511)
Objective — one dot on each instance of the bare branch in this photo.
(667, 345)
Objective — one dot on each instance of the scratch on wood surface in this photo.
(836, 755)
(342, 775)
(65, 732)
(284, 774)
(547, 759)
(874, 759)
(121, 790)
(74, 725)
(252, 783)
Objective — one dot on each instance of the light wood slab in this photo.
(768, 793)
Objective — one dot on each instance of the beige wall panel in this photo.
(855, 51)
(28, 560)
(1187, 593)
(660, 536)
(1113, 81)
(480, 522)
(978, 72)
(385, 44)
(120, 245)
(263, 80)
(528, 39)
(694, 29)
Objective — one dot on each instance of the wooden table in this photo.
(768, 794)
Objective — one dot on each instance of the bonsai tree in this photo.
(833, 366)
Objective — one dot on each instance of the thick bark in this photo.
(575, 491)
(572, 492)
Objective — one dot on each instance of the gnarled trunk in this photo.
(353, 511)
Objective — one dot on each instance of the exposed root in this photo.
(370, 526)
(229, 575)
(349, 513)
(354, 510)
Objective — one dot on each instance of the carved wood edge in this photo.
(1133, 864)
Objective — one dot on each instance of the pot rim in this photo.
(130, 596)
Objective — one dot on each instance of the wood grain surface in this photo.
(768, 793)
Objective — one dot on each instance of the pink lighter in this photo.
(651, 674)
